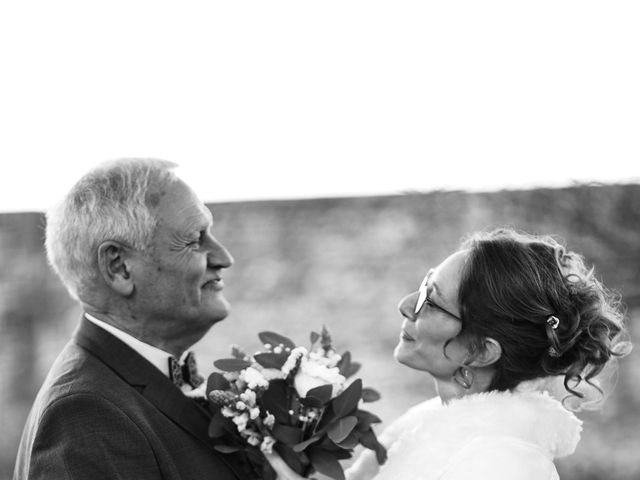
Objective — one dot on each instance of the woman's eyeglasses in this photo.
(423, 297)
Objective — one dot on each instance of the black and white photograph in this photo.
(337, 240)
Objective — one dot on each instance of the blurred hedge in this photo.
(345, 263)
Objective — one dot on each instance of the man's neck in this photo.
(140, 331)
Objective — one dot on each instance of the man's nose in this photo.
(219, 256)
(407, 306)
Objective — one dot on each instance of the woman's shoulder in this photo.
(533, 416)
(410, 419)
(498, 458)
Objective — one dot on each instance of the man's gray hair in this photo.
(111, 202)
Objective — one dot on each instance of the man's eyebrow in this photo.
(198, 222)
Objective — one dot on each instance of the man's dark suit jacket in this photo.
(104, 412)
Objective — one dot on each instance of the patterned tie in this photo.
(185, 373)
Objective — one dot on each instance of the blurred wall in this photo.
(345, 263)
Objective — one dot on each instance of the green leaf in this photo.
(326, 463)
(365, 419)
(354, 368)
(275, 339)
(299, 447)
(276, 401)
(216, 381)
(350, 442)
(346, 366)
(271, 360)
(322, 393)
(370, 395)
(298, 461)
(238, 352)
(342, 454)
(325, 338)
(231, 364)
(286, 434)
(217, 425)
(368, 439)
(345, 403)
(339, 430)
(317, 397)
(311, 402)
(314, 337)
(345, 362)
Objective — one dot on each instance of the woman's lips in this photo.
(406, 337)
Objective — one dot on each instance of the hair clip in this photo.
(553, 322)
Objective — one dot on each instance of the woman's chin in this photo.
(400, 354)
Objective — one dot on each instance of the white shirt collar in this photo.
(157, 357)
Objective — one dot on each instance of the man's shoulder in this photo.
(76, 373)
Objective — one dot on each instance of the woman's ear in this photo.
(112, 262)
(488, 354)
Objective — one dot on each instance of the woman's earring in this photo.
(463, 377)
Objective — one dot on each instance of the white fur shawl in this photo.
(491, 435)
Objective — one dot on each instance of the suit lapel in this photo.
(146, 378)
(154, 386)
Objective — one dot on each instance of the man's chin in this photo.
(218, 311)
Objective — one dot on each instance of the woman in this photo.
(494, 324)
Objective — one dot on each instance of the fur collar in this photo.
(531, 416)
(535, 417)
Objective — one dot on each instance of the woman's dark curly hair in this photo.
(512, 286)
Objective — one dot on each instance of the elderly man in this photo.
(134, 245)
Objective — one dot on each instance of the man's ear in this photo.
(113, 265)
(489, 353)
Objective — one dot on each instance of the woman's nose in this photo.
(407, 306)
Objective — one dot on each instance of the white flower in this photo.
(330, 358)
(272, 374)
(253, 378)
(292, 360)
(231, 376)
(267, 444)
(240, 405)
(228, 412)
(312, 374)
(248, 397)
(241, 421)
(269, 420)
(254, 413)
(253, 440)
(200, 392)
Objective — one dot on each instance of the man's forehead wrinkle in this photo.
(197, 218)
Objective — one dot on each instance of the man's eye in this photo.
(430, 303)
(198, 241)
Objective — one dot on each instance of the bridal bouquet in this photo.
(295, 401)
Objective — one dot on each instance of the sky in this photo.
(297, 99)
